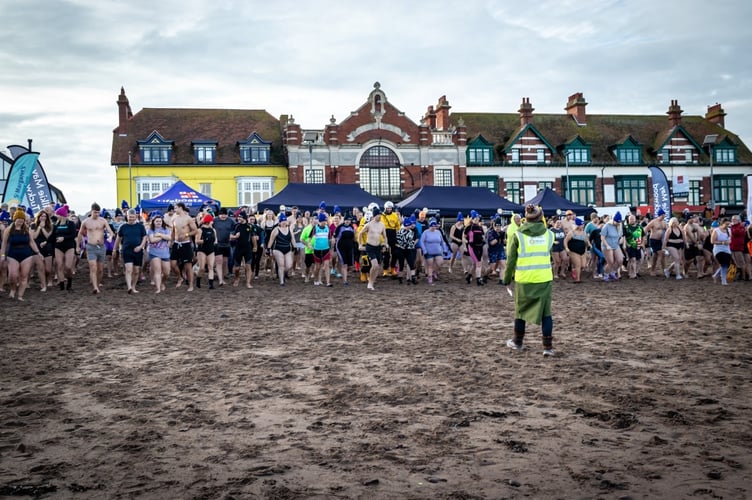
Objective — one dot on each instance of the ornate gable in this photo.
(678, 147)
(529, 146)
(377, 119)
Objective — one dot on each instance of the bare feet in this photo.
(190, 289)
(248, 285)
(180, 283)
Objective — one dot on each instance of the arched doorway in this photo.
(380, 173)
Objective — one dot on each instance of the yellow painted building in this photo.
(233, 156)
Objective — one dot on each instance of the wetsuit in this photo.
(344, 237)
(68, 232)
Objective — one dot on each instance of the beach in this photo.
(402, 392)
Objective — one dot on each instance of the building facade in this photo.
(380, 148)
(243, 157)
(602, 160)
(234, 156)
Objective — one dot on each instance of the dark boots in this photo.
(211, 284)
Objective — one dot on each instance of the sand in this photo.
(403, 392)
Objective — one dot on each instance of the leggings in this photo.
(403, 255)
(256, 260)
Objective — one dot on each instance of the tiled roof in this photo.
(183, 126)
(601, 132)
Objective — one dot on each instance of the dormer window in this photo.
(479, 152)
(629, 156)
(577, 156)
(205, 152)
(724, 155)
(155, 149)
(255, 150)
(629, 152)
(478, 156)
(576, 152)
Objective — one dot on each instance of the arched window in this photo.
(380, 172)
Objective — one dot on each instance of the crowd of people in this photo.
(325, 247)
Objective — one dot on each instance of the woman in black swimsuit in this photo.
(19, 249)
(206, 240)
(65, 248)
(673, 243)
(281, 244)
(43, 233)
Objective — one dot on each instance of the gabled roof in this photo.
(479, 141)
(188, 126)
(600, 132)
(673, 133)
(521, 131)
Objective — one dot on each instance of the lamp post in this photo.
(566, 173)
(130, 178)
(710, 142)
(310, 159)
(309, 138)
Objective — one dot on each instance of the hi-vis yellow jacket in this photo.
(533, 256)
(391, 220)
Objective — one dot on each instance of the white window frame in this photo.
(312, 173)
(205, 188)
(145, 187)
(443, 176)
(205, 153)
(252, 190)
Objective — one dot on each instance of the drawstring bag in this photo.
(731, 274)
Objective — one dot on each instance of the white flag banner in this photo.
(680, 186)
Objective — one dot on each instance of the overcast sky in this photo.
(62, 63)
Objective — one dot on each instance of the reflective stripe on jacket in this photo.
(534, 258)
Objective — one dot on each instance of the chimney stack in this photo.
(526, 112)
(674, 114)
(442, 113)
(716, 115)
(124, 112)
(430, 118)
(576, 107)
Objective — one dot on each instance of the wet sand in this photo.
(404, 392)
